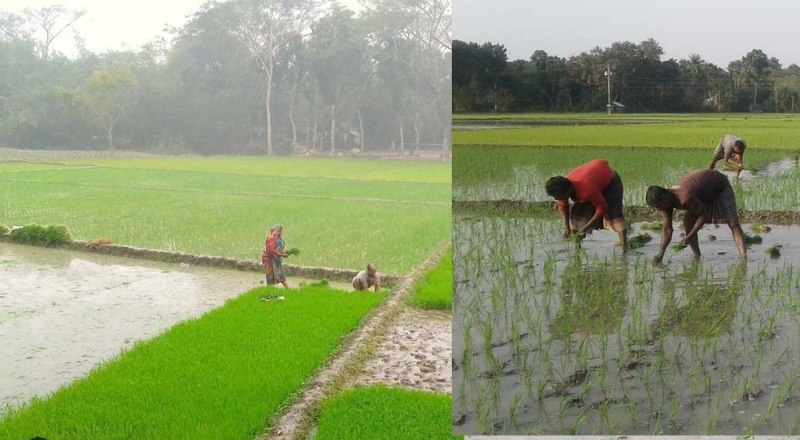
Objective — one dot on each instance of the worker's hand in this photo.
(658, 258)
(684, 241)
(568, 234)
(740, 166)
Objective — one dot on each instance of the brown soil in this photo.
(415, 353)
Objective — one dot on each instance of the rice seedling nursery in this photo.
(184, 351)
(553, 337)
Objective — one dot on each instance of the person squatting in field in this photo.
(272, 257)
(730, 147)
(597, 192)
(367, 278)
(707, 197)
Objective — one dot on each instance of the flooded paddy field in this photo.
(63, 313)
(770, 181)
(550, 339)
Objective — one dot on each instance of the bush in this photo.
(42, 234)
(3, 229)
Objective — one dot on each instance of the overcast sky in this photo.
(119, 24)
(719, 30)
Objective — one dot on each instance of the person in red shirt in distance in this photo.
(597, 192)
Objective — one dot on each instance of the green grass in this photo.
(220, 376)
(380, 413)
(263, 186)
(763, 133)
(353, 169)
(333, 233)
(435, 291)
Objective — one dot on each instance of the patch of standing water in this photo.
(553, 340)
(62, 313)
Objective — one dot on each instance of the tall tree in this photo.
(267, 27)
(51, 22)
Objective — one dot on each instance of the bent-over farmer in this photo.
(730, 147)
(367, 278)
(597, 191)
(707, 197)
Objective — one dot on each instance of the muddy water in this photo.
(553, 340)
(63, 313)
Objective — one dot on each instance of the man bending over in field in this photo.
(730, 146)
(707, 197)
(597, 192)
(367, 278)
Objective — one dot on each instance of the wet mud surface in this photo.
(552, 339)
(63, 313)
(415, 353)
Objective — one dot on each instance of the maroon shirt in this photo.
(699, 188)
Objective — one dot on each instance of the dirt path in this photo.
(415, 353)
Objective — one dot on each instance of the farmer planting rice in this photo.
(596, 190)
(272, 257)
(730, 147)
(367, 278)
(707, 197)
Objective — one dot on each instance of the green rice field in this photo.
(554, 339)
(352, 212)
(550, 339)
(382, 413)
(435, 290)
(689, 131)
(222, 375)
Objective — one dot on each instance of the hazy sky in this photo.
(719, 30)
(117, 24)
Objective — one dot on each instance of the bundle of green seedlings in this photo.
(752, 239)
(577, 238)
(294, 251)
(3, 229)
(773, 251)
(758, 228)
(637, 241)
(34, 233)
(654, 226)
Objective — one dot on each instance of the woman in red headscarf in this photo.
(272, 257)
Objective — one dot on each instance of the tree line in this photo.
(240, 77)
(485, 80)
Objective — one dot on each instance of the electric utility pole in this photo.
(608, 76)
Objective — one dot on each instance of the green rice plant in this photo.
(435, 290)
(219, 376)
(294, 251)
(383, 413)
(577, 238)
(639, 240)
(678, 247)
(752, 239)
(759, 228)
(34, 233)
(773, 251)
(654, 226)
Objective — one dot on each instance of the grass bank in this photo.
(381, 413)
(435, 290)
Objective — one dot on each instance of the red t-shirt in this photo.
(589, 181)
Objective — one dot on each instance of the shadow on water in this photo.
(550, 339)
